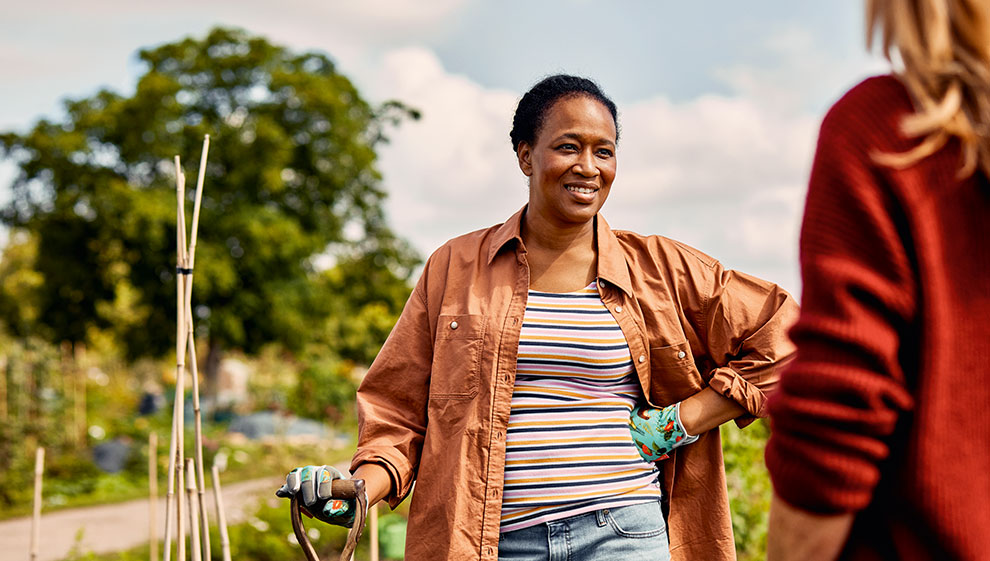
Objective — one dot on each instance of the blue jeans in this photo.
(627, 533)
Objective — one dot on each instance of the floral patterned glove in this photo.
(314, 483)
(657, 432)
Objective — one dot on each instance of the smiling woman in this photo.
(554, 385)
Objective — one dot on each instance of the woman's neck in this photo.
(541, 235)
(560, 259)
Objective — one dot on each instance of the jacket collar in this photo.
(612, 265)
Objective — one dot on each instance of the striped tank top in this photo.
(568, 447)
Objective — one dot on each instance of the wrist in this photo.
(688, 433)
(377, 481)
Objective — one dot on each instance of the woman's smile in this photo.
(582, 193)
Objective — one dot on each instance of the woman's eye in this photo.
(605, 153)
(568, 146)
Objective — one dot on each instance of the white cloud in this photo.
(453, 171)
(726, 174)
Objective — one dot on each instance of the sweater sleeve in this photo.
(841, 398)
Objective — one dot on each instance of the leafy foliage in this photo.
(749, 487)
(291, 175)
(325, 389)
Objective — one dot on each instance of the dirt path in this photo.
(115, 527)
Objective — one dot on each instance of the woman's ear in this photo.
(525, 156)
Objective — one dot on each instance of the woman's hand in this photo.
(657, 432)
(313, 484)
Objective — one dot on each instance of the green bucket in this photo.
(392, 536)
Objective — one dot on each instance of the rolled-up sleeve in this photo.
(746, 320)
(392, 398)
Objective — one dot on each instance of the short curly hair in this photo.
(534, 105)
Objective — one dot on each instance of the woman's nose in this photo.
(585, 164)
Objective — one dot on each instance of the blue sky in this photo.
(719, 100)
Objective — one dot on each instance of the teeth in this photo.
(585, 190)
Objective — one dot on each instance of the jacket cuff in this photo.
(398, 468)
(729, 383)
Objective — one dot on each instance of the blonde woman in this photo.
(881, 431)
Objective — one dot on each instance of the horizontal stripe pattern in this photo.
(568, 446)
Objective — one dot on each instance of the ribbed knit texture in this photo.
(568, 446)
(886, 410)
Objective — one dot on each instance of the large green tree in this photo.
(291, 176)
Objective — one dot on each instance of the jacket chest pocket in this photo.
(673, 374)
(456, 371)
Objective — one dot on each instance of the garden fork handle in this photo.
(340, 489)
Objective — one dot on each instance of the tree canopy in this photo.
(291, 176)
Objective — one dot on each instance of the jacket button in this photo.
(453, 325)
(642, 358)
(618, 309)
(681, 354)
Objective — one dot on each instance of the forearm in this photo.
(706, 410)
(798, 535)
(377, 482)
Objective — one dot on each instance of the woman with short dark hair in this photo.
(551, 383)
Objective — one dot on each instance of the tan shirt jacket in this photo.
(434, 407)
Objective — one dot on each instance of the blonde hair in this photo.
(944, 47)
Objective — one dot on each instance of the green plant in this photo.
(749, 487)
(324, 389)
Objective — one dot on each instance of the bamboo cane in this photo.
(190, 336)
(198, 473)
(171, 505)
(373, 519)
(39, 468)
(221, 517)
(193, 508)
(177, 444)
(153, 496)
(170, 487)
(180, 323)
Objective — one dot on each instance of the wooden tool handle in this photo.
(346, 488)
(340, 489)
(300, 532)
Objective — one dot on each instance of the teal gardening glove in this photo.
(313, 482)
(657, 432)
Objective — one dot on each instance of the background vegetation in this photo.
(297, 274)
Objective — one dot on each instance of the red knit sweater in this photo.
(886, 409)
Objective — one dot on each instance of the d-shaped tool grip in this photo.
(340, 489)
